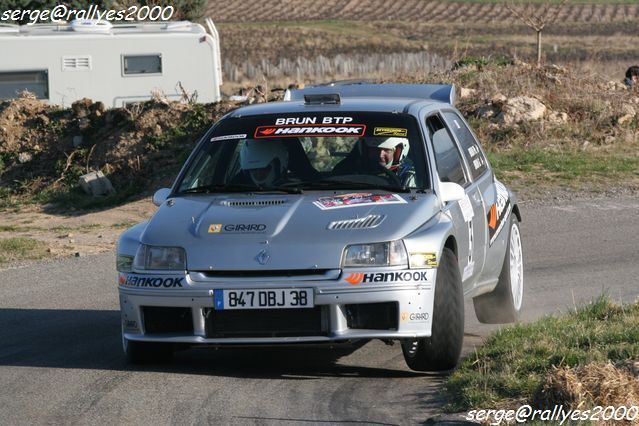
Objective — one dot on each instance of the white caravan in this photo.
(114, 64)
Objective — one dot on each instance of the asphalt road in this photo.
(61, 361)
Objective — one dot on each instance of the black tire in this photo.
(441, 351)
(147, 352)
(500, 306)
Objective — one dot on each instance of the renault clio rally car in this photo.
(344, 213)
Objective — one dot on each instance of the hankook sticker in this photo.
(288, 131)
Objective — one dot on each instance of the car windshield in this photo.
(296, 152)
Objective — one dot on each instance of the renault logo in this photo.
(263, 257)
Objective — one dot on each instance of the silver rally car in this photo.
(346, 212)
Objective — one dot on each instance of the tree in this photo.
(536, 16)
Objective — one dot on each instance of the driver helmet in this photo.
(264, 160)
(399, 145)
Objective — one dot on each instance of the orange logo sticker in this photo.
(214, 228)
(354, 278)
(492, 217)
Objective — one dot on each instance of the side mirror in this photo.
(160, 196)
(450, 191)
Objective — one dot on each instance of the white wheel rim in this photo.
(516, 267)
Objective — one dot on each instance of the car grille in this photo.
(266, 322)
(158, 319)
(372, 316)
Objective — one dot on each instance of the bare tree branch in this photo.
(536, 17)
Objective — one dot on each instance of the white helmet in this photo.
(257, 155)
(400, 145)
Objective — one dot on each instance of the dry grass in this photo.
(589, 385)
(577, 359)
(20, 249)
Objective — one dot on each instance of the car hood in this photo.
(228, 232)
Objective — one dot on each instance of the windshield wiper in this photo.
(341, 184)
(207, 189)
(239, 187)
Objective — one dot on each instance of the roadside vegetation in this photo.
(542, 128)
(19, 249)
(579, 359)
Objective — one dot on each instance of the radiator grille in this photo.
(158, 319)
(265, 323)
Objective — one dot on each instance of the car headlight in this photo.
(124, 263)
(158, 258)
(392, 253)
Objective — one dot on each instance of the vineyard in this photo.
(404, 10)
(304, 41)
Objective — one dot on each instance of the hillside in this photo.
(542, 128)
(407, 10)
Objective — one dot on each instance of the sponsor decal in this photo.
(473, 150)
(237, 228)
(423, 260)
(122, 279)
(466, 208)
(499, 212)
(357, 199)
(228, 137)
(390, 131)
(478, 160)
(356, 278)
(154, 282)
(284, 121)
(414, 316)
(289, 131)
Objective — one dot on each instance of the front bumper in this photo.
(384, 304)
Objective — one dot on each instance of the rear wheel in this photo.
(503, 304)
(441, 351)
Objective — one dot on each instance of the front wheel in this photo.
(504, 303)
(442, 349)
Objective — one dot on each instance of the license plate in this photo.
(275, 298)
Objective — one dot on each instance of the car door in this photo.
(479, 191)
(451, 168)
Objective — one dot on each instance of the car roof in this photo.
(347, 105)
(356, 96)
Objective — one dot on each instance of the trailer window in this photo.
(14, 82)
(142, 64)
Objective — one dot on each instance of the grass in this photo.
(124, 225)
(513, 362)
(523, 167)
(20, 249)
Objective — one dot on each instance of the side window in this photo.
(470, 147)
(447, 157)
(141, 64)
(13, 82)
